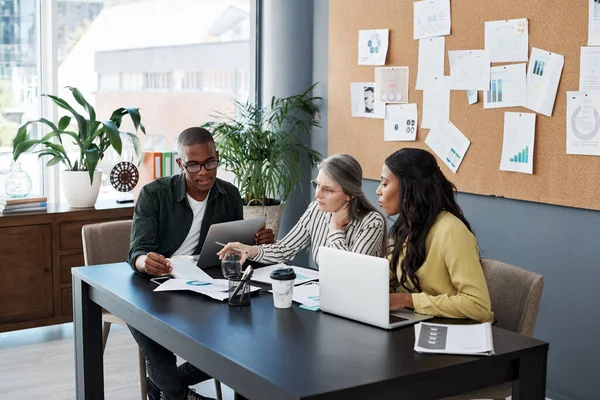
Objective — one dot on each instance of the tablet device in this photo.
(159, 280)
(242, 231)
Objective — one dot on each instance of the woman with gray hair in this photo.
(341, 217)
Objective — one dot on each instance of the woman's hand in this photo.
(339, 219)
(243, 250)
(399, 301)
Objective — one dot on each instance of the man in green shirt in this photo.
(172, 216)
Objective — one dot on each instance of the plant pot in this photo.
(77, 188)
(271, 213)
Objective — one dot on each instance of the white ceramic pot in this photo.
(77, 188)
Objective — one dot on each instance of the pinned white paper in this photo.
(507, 40)
(448, 142)
(518, 142)
(436, 101)
(372, 46)
(508, 87)
(469, 69)
(543, 76)
(391, 85)
(431, 60)
(362, 98)
(593, 23)
(472, 96)
(400, 122)
(589, 69)
(583, 123)
(431, 18)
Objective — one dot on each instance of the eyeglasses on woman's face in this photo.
(325, 190)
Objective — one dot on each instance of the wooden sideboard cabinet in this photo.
(37, 252)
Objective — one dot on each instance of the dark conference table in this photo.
(265, 353)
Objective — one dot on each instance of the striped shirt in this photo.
(359, 236)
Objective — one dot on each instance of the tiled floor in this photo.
(37, 335)
(39, 363)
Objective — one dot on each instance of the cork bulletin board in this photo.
(556, 26)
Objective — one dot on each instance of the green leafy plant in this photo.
(93, 137)
(263, 146)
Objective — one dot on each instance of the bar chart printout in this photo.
(517, 146)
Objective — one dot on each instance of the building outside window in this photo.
(179, 62)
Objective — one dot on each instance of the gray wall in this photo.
(287, 64)
(562, 244)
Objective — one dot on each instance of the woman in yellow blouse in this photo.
(434, 257)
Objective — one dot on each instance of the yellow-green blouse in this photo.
(451, 277)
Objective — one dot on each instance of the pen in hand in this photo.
(235, 248)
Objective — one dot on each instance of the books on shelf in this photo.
(9, 205)
(471, 340)
(160, 163)
(9, 201)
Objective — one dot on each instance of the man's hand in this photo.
(264, 235)
(399, 301)
(153, 264)
(243, 250)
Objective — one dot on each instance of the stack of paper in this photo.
(454, 339)
(308, 295)
(217, 289)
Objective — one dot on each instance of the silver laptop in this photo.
(356, 286)
(242, 231)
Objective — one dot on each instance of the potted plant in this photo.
(262, 146)
(81, 180)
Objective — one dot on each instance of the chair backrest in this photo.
(106, 242)
(515, 295)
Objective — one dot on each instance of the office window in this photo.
(19, 83)
(163, 51)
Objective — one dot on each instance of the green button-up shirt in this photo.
(163, 217)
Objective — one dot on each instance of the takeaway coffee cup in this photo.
(283, 287)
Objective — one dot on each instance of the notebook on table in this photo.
(474, 340)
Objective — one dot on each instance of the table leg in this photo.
(531, 384)
(87, 319)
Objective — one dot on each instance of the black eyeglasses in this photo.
(197, 167)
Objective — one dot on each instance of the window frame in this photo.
(47, 40)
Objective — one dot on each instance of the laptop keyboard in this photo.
(394, 319)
